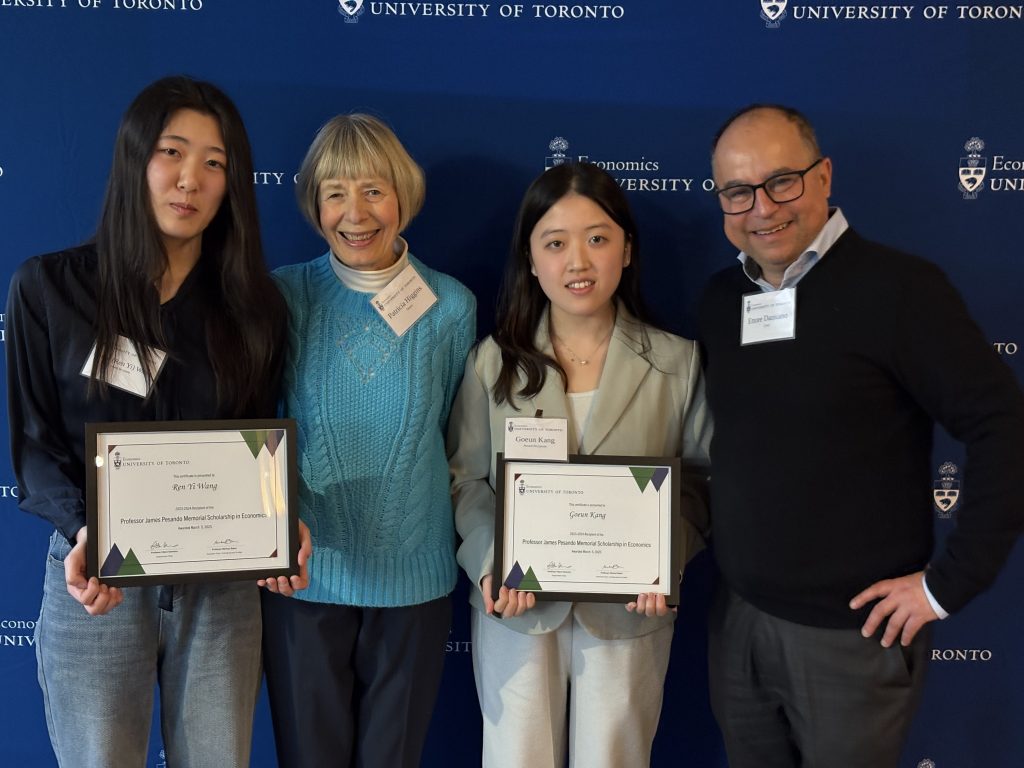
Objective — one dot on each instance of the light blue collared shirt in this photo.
(833, 229)
(795, 272)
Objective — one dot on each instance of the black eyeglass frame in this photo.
(764, 185)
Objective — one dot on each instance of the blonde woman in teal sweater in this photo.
(354, 664)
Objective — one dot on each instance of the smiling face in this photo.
(187, 179)
(756, 146)
(360, 220)
(577, 253)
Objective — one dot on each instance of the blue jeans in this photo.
(98, 673)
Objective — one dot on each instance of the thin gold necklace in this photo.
(578, 358)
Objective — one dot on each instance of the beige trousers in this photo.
(610, 691)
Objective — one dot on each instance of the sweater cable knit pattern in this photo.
(371, 409)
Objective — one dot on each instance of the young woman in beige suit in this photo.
(571, 341)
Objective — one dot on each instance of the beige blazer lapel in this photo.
(623, 373)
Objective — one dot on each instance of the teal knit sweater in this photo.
(372, 410)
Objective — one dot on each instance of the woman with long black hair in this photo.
(175, 271)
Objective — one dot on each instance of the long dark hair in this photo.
(521, 302)
(245, 312)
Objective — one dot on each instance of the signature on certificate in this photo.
(224, 541)
(558, 568)
(158, 545)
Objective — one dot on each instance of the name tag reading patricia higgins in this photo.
(404, 300)
(126, 369)
(535, 439)
(768, 317)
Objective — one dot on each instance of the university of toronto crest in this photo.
(972, 169)
(946, 490)
(558, 147)
(773, 13)
(350, 10)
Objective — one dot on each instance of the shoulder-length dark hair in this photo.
(521, 302)
(245, 312)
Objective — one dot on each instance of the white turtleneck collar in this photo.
(372, 281)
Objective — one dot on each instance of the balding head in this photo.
(755, 145)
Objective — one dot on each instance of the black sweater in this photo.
(821, 457)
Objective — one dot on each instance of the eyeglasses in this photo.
(781, 188)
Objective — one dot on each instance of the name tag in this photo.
(126, 369)
(538, 439)
(404, 300)
(768, 317)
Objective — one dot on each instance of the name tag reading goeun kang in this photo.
(404, 300)
(768, 317)
(536, 439)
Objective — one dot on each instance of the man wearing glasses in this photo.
(829, 359)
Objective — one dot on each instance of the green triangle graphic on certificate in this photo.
(131, 566)
(255, 439)
(643, 476)
(530, 582)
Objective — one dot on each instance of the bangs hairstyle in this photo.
(359, 146)
(521, 301)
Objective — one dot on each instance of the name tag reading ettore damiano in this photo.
(404, 300)
(768, 317)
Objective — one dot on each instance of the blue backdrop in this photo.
(478, 92)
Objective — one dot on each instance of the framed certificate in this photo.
(597, 528)
(182, 501)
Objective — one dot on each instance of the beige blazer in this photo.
(645, 405)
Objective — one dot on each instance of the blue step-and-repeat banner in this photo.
(484, 95)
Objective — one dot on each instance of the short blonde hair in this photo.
(359, 146)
